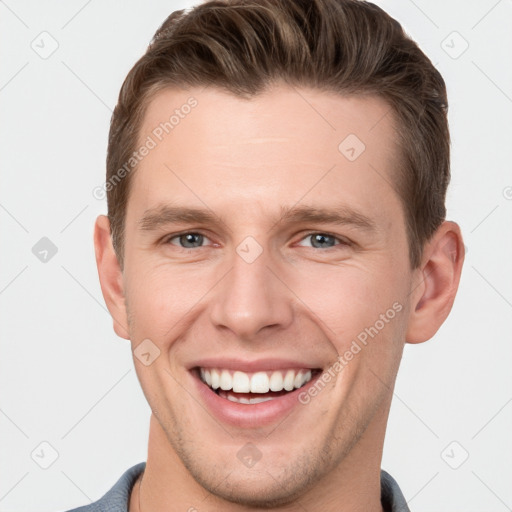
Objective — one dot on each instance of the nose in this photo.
(252, 299)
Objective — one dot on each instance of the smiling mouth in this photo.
(255, 387)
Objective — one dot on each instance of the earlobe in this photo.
(434, 291)
(110, 275)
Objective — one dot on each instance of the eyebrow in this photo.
(163, 215)
(342, 215)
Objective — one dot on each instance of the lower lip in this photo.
(250, 415)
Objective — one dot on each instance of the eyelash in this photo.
(343, 242)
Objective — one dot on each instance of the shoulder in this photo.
(117, 498)
(391, 495)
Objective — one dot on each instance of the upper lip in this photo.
(251, 366)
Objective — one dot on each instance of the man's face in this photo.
(255, 288)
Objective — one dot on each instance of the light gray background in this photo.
(65, 377)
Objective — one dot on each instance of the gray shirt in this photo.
(117, 499)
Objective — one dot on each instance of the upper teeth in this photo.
(259, 382)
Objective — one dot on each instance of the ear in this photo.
(436, 283)
(111, 276)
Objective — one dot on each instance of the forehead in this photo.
(282, 115)
(274, 148)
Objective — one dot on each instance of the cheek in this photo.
(162, 297)
(353, 301)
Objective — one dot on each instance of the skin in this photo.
(244, 160)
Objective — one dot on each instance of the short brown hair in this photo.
(350, 47)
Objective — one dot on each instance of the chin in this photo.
(266, 485)
(264, 491)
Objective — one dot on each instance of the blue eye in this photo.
(323, 240)
(188, 240)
